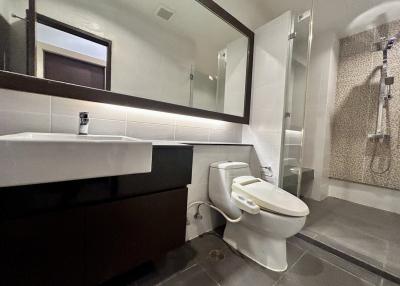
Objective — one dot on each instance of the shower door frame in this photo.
(291, 39)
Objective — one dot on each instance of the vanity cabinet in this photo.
(123, 234)
(47, 249)
(88, 231)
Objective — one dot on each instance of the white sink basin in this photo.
(32, 158)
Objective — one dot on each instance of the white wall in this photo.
(322, 91)
(268, 96)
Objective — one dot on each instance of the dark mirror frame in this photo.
(27, 83)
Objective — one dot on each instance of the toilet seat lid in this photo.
(269, 197)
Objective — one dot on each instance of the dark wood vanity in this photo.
(86, 232)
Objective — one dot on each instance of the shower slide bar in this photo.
(385, 92)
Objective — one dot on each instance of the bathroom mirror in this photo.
(189, 57)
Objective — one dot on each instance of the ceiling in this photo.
(343, 17)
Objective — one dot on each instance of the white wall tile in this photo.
(264, 95)
(150, 116)
(183, 133)
(227, 133)
(150, 131)
(11, 100)
(64, 124)
(72, 107)
(70, 124)
(203, 156)
(268, 96)
(235, 153)
(17, 122)
(191, 121)
(107, 127)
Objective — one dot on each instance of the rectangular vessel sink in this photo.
(33, 158)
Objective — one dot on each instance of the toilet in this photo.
(270, 215)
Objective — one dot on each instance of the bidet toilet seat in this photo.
(260, 235)
(269, 197)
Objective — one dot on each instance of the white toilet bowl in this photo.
(261, 237)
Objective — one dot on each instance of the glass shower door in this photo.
(296, 90)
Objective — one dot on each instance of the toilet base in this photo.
(269, 252)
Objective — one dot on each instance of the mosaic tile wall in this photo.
(354, 157)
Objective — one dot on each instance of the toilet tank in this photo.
(220, 185)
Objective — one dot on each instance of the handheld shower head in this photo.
(392, 41)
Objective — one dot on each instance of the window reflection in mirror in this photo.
(69, 54)
(172, 51)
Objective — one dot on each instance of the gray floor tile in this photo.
(378, 223)
(369, 234)
(193, 276)
(193, 265)
(392, 264)
(180, 259)
(309, 233)
(174, 262)
(385, 282)
(358, 244)
(204, 244)
(345, 265)
(234, 270)
(238, 270)
(313, 271)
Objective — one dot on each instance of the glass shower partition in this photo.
(296, 92)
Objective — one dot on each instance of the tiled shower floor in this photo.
(208, 261)
(367, 234)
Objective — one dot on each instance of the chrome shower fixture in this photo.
(385, 44)
(385, 91)
(392, 41)
(389, 81)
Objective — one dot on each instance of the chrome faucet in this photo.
(83, 123)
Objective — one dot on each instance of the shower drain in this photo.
(216, 254)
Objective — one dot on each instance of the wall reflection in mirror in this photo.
(171, 50)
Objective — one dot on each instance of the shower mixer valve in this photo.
(389, 81)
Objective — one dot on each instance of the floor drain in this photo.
(216, 254)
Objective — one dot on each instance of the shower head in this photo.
(392, 41)
(384, 45)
